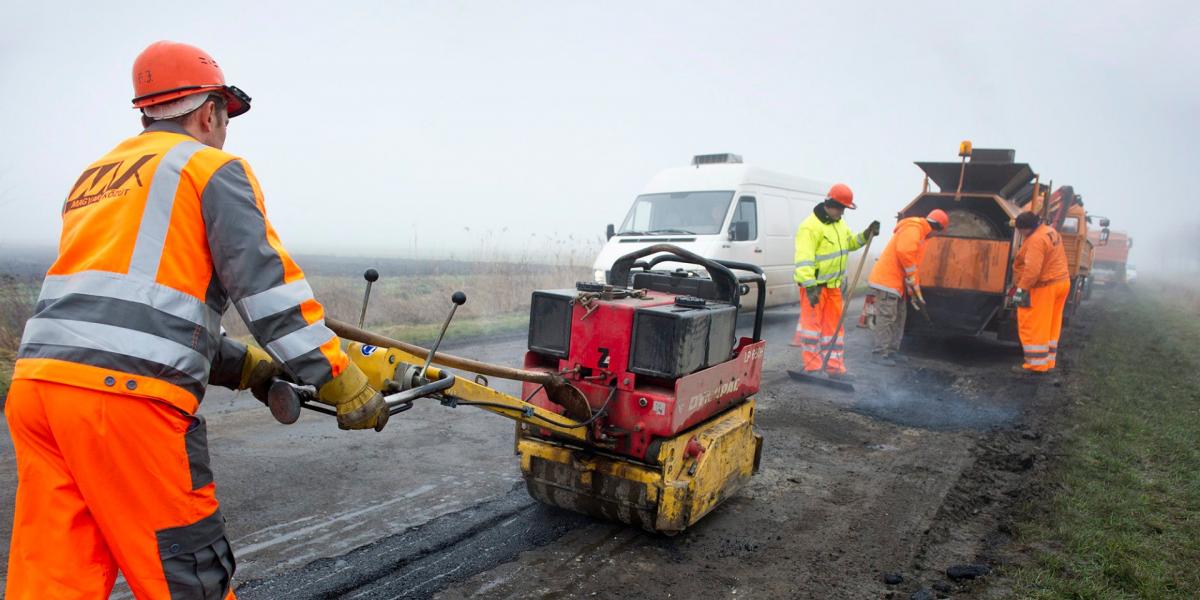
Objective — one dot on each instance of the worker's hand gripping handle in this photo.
(285, 398)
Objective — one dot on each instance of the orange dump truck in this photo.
(967, 270)
(1112, 254)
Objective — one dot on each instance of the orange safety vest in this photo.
(158, 237)
(1041, 260)
(902, 257)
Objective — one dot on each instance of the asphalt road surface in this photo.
(887, 478)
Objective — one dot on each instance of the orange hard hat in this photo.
(167, 71)
(841, 194)
(939, 217)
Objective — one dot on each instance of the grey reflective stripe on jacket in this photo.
(156, 217)
(252, 274)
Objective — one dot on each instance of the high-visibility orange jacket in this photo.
(159, 237)
(1041, 259)
(902, 257)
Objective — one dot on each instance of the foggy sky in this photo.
(375, 122)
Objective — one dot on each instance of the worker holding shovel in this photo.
(895, 279)
(823, 245)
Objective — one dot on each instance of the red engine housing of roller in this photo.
(643, 408)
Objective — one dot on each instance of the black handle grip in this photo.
(725, 280)
(285, 399)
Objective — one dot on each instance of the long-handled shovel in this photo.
(823, 378)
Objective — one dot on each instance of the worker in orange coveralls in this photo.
(159, 237)
(896, 279)
(1043, 283)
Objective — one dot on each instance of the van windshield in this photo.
(677, 212)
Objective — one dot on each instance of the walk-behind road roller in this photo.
(638, 397)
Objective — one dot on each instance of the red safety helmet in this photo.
(939, 219)
(167, 71)
(841, 194)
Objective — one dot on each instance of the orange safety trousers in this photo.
(815, 331)
(110, 482)
(1040, 325)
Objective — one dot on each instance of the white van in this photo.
(720, 208)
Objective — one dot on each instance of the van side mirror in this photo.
(610, 231)
(739, 231)
(1104, 236)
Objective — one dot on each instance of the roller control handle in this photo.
(285, 398)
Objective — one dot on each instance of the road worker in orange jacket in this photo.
(159, 237)
(896, 278)
(1043, 283)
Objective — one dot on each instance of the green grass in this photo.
(1124, 521)
(459, 329)
(6, 367)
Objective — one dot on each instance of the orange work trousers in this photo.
(815, 331)
(107, 482)
(1040, 325)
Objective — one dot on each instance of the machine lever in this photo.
(371, 275)
(458, 299)
(402, 401)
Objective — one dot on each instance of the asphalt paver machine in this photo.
(638, 397)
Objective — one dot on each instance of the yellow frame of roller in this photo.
(666, 497)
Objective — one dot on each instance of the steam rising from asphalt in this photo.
(932, 399)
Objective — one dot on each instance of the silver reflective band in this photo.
(156, 216)
(132, 289)
(808, 282)
(910, 269)
(833, 255)
(805, 263)
(809, 332)
(110, 338)
(275, 300)
(1039, 361)
(884, 288)
(300, 342)
(1037, 348)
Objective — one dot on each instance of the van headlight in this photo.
(601, 276)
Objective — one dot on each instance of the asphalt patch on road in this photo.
(425, 559)
(936, 399)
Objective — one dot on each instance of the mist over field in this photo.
(417, 130)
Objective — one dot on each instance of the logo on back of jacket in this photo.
(105, 181)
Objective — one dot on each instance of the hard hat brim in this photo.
(237, 102)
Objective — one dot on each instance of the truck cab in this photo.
(721, 209)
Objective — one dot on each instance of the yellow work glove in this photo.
(258, 371)
(358, 405)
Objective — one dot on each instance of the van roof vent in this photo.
(717, 159)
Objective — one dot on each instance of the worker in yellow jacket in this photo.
(823, 244)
